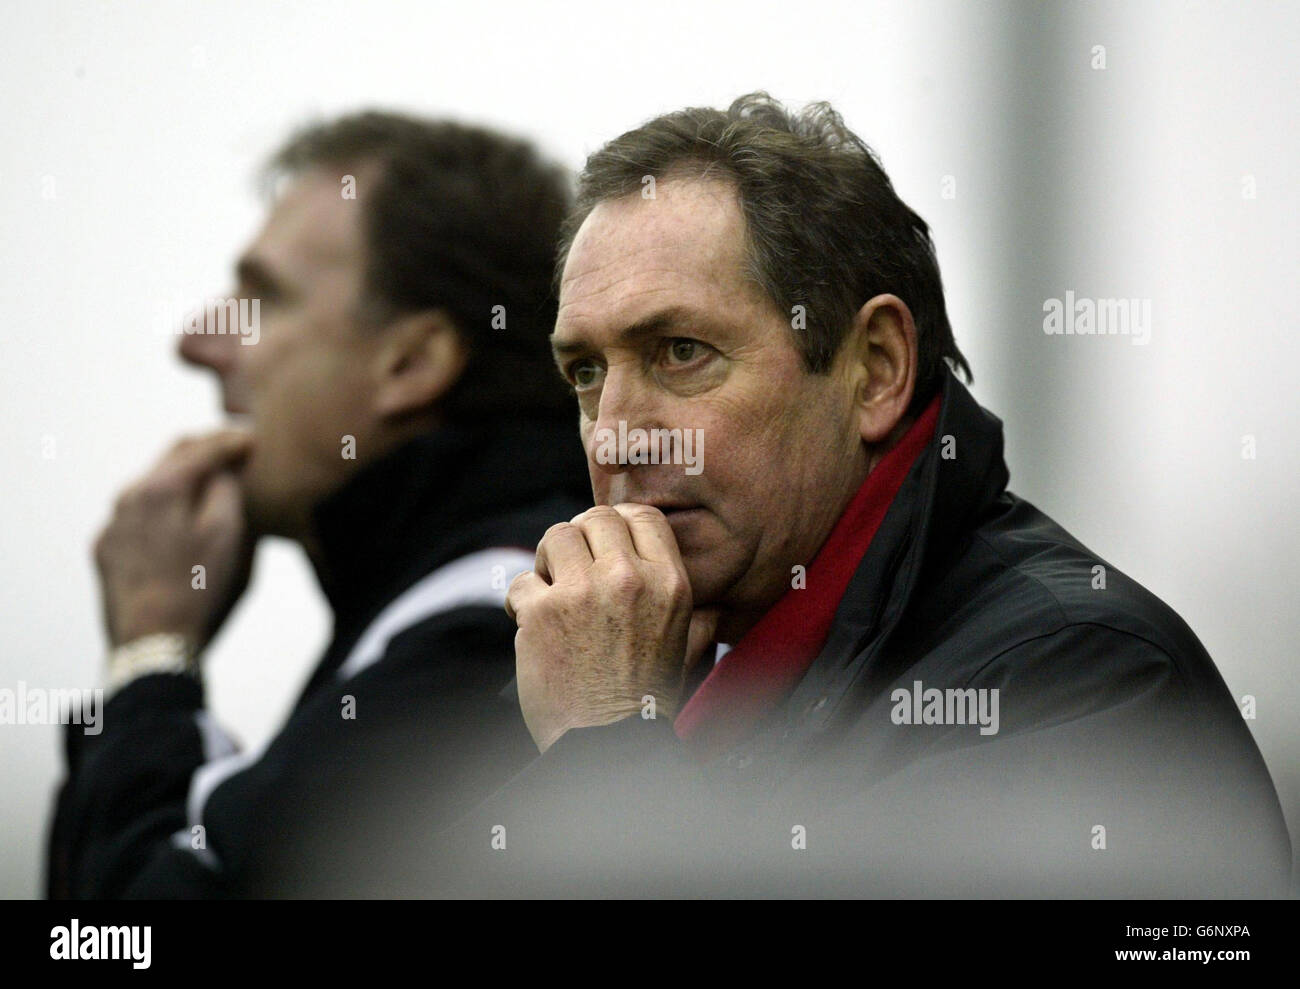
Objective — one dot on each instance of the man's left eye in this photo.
(683, 351)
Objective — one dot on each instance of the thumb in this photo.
(221, 505)
(704, 625)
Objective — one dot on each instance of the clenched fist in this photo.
(604, 620)
(186, 512)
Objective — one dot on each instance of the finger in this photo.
(606, 531)
(562, 550)
(651, 534)
(523, 590)
(193, 461)
(703, 630)
(218, 443)
(221, 504)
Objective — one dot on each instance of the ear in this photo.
(882, 349)
(421, 357)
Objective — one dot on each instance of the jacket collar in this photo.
(435, 498)
(951, 485)
(756, 676)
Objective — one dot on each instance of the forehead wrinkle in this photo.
(620, 256)
(624, 321)
(631, 294)
(714, 270)
(627, 251)
(667, 231)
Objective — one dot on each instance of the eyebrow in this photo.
(661, 322)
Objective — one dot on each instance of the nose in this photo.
(624, 404)
(202, 348)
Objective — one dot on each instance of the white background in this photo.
(146, 122)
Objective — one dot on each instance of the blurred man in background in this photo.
(397, 416)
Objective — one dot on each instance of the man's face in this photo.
(303, 385)
(659, 327)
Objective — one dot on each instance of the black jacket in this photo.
(1120, 765)
(416, 554)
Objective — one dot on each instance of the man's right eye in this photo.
(584, 374)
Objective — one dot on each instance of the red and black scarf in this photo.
(764, 667)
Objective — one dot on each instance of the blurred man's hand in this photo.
(186, 512)
(604, 621)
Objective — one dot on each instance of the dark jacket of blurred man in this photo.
(933, 688)
(385, 353)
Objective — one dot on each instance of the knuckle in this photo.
(676, 587)
(643, 513)
(554, 531)
(132, 498)
(622, 580)
(520, 598)
(598, 513)
(153, 491)
(517, 586)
